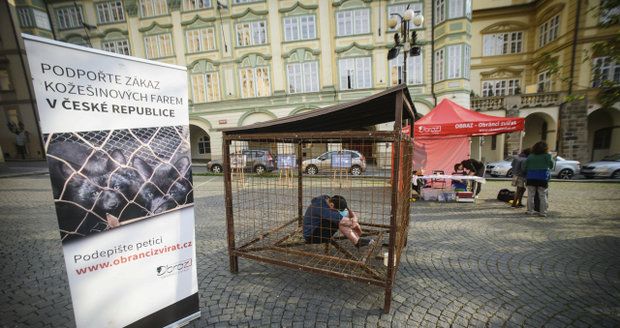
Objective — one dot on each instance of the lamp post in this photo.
(408, 16)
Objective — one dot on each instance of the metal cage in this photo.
(273, 170)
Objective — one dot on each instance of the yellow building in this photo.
(250, 61)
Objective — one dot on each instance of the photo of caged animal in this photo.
(105, 179)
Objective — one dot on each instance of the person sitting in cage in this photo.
(326, 215)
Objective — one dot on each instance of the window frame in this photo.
(549, 31)
(252, 33)
(158, 43)
(211, 92)
(355, 22)
(354, 79)
(401, 9)
(116, 46)
(141, 6)
(412, 61)
(110, 11)
(203, 38)
(611, 71)
(254, 80)
(502, 44)
(302, 77)
(185, 5)
(204, 145)
(507, 88)
(77, 15)
(296, 22)
(545, 82)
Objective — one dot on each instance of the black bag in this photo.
(505, 195)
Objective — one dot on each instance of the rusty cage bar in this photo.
(274, 169)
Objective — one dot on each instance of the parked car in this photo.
(608, 167)
(563, 169)
(323, 163)
(258, 161)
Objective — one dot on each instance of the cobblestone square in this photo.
(466, 265)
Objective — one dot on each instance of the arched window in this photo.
(204, 145)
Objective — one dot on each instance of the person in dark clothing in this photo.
(457, 184)
(519, 175)
(538, 166)
(326, 215)
(474, 167)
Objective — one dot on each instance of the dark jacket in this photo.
(319, 211)
(474, 165)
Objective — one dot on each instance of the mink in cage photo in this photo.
(342, 206)
(105, 179)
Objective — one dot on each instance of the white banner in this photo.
(117, 143)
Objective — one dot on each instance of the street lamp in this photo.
(408, 16)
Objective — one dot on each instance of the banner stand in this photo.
(116, 136)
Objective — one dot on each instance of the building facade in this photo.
(251, 61)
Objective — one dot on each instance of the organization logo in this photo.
(429, 129)
(167, 270)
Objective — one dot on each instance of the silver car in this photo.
(608, 167)
(324, 163)
(563, 168)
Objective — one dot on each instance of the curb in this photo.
(22, 174)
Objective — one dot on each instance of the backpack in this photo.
(505, 195)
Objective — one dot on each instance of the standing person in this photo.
(538, 165)
(474, 167)
(519, 175)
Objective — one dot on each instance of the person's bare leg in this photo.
(346, 228)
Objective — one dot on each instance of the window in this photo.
(116, 46)
(158, 46)
(206, 87)
(204, 145)
(200, 40)
(108, 12)
(503, 43)
(69, 17)
(196, 4)
(251, 34)
(255, 82)
(456, 8)
(245, 1)
(439, 62)
(440, 11)
(303, 77)
(351, 22)
(25, 19)
(454, 61)
(150, 8)
(605, 69)
(468, 8)
(299, 28)
(549, 30)
(607, 12)
(414, 70)
(500, 87)
(400, 9)
(602, 138)
(355, 73)
(41, 19)
(466, 61)
(544, 82)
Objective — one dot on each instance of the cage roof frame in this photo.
(350, 116)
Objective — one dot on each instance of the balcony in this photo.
(544, 99)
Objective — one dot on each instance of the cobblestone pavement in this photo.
(466, 265)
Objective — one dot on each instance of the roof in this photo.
(351, 116)
(450, 119)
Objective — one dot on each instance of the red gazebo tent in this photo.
(450, 119)
(442, 136)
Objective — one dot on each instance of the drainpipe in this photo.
(574, 50)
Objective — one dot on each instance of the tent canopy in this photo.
(355, 115)
(450, 119)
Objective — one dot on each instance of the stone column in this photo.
(512, 140)
(573, 131)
